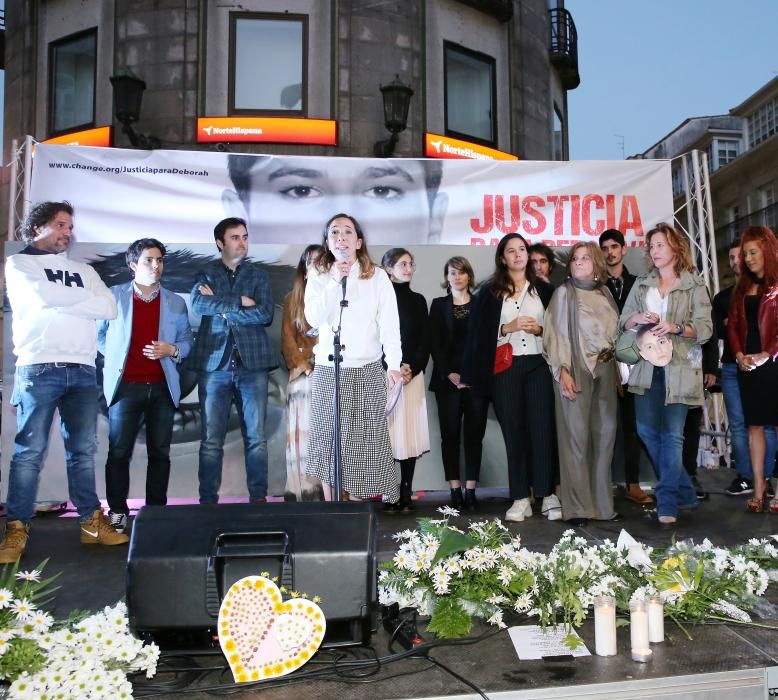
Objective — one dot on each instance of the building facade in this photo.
(742, 153)
(492, 72)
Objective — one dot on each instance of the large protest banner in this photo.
(286, 199)
(178, 197)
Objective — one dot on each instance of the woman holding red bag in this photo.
(504, 361)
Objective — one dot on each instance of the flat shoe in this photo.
(773, 505)
(578, 522)
(637, 495)
(755, 505)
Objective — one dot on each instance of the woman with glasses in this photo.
(461, 411)
(408, 428)
(580, 330)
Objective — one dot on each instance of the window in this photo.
(678, 184)
(762, 123)
(722, 152)
(558, 146)
(268, 64)
(470, 94)
(72, 65)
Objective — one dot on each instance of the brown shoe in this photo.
(638, 495)
(98, 530)
(12, 546)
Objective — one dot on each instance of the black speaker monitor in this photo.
(183, 559)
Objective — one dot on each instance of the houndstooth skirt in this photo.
(367, 463)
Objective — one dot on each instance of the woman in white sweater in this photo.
(370, 330)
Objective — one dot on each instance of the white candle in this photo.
(605, 625)
(656, 619)
(638, 626)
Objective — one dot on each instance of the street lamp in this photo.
(128, 91)
(397, 101)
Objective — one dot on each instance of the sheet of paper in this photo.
(533, 642)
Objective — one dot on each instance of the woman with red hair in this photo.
(753, 337)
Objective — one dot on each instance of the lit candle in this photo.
(638, 626)
(656, 619)
(605, 625)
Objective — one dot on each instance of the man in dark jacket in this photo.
(232, 355)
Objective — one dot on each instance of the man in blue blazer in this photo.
(142, 348)
(232, 356)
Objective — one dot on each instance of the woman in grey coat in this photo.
(674, 297)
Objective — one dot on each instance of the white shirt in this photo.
(522, 304)
(370, 327)
(656, 304)
(55, 303)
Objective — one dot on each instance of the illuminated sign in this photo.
(99, 136)
(322, 132)
(437, 146)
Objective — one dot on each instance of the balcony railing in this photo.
(730, 233)
(564, 47)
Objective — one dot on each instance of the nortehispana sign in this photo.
(179, 196)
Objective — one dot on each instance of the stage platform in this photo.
(721, 661)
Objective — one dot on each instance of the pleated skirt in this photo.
(408, 427)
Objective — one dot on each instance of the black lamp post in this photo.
(397, 100)
(127, 97)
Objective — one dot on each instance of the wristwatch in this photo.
(176, 354)
(681, 328)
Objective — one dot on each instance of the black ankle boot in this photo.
(456, 498)
(405, 503)
(470, 502)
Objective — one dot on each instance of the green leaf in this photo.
(449, 620)
(452, 542)
(521, 582)
(622, 622)
(572, 641)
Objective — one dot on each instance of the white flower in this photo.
(497, 599)
(6, 597)
(33, 575)
(42, 621)
(22, 608)
(496, 620)
(523, 603)
(448, 511)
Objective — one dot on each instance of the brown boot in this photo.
(638, 495)
(12, 546)
(98, 530)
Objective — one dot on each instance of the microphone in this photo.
(343, 255)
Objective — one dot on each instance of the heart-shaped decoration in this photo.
(264, 636)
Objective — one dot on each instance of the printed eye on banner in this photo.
(321, 132)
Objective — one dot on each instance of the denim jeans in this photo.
(660, 428)
(217, 390)
(39, 390)
(737, 426)
(135, 402)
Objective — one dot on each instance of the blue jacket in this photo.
(113, 338)
(222, 312)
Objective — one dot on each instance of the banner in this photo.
(178, 196)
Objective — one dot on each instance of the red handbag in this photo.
(503, 358)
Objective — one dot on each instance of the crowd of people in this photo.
(582, 377)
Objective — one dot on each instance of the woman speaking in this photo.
(370, 329)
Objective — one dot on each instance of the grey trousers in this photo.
(586, 432)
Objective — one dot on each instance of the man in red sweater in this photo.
(142, 348)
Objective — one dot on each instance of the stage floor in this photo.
(719, 659)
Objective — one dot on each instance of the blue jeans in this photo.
(660, 428)
(737, 426)
(217, 390)
(38, 391)
(135, 402)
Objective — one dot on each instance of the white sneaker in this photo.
(519, 510)
(551, 507)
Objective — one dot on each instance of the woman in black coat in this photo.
(509, 308)
(458, 406)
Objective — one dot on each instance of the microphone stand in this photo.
(337, 358)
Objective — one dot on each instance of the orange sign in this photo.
(99, 136)
(321, 132)
(437, 146)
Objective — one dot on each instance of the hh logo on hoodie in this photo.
(71, 279)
